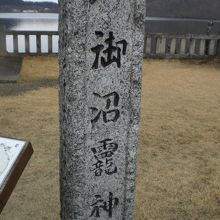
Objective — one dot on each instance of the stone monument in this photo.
(101, 52)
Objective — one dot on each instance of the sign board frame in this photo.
(10, 181)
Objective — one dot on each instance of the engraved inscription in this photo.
(112, 53)
(92, 1)
(101, 205)
(110, 112)
(104, 158)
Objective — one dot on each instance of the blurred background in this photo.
(179, 18)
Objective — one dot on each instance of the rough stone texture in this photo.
(85, 105)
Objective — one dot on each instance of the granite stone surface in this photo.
(101, 52)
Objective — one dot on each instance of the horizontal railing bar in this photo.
(185, 36)
(31, 32)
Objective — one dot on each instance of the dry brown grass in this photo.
(37, 68)
(178, 155)
(33, 116)
(179, 151)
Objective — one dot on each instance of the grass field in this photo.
(179, 145)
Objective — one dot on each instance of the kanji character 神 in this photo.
(101, 205)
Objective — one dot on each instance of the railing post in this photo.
(182, 46)
(202, 47)
(2, 41)
(192, 47)
(212, 47)
(173, 46)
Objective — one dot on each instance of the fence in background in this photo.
(31, 42)
(156, 45)
(177, 46)
(28, 42)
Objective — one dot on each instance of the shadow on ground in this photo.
(14, 89)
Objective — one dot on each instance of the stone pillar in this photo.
(101, 52)
(2, 41)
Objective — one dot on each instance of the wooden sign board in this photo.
(14, 156)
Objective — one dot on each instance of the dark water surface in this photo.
(49, 22)
(182, 25)
(30, 22)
